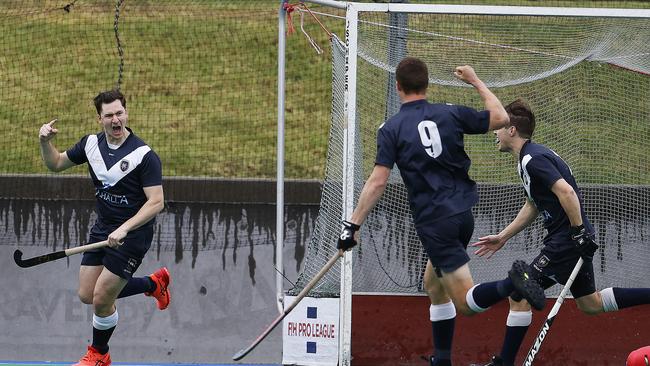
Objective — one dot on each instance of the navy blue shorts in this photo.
(553, 268)
(123, 260)
(445, 241)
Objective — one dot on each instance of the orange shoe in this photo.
(162, 279)
(94, 358)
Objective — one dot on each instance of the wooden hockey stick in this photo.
(528, 361)
(31, 262)
(239, 355)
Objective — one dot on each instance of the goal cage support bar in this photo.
(352, 131)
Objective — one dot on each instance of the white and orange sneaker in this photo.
(162, 279)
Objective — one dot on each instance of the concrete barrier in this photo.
(221, 257)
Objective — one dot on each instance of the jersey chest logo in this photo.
(110, 177)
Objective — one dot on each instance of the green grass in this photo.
(201, 81)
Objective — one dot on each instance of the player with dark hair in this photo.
(551, 190)
(127, 176)
(426, 143)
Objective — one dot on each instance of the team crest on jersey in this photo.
(541, 262)
(124, 165)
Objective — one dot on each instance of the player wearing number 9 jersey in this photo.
(426, 143)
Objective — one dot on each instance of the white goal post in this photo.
(627, 55)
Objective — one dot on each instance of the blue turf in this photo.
(40, 363)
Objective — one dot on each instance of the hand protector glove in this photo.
(346, 239)
(584, 242)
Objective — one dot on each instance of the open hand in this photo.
(488, 245)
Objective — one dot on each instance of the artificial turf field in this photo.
(41, 363)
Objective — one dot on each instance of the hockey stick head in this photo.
(239, 355)
(31, 262)
(18, 258)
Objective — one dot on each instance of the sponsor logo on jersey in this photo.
(112, 198)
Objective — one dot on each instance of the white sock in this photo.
(609, 300)
(107, 322)
(519, 318)
(442, 312)
(471, 303)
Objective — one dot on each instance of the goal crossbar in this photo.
(486, 9)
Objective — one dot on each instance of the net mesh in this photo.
(587, 81)
(200, 77)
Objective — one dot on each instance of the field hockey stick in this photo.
(31, 262)
(528, 361)
(239, 355)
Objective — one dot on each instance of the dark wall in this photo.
(221, 257)
(221, 253)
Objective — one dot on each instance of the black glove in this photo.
(346, 239)
(585, 243)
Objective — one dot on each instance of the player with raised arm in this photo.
(426, 143)
(551, 190)
(127, 176)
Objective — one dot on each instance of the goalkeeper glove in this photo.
(346, 239)
(584, 242)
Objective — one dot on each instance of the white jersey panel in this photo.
(110, 177)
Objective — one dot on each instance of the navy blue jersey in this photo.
(119, 175)
(426, 142)
(539, 168)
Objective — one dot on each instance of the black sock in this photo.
(137, 285)
(443, 335)
(100, 339)
(627, 297)
(488, 294)
(511, 343)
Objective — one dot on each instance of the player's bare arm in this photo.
(570, 203)
(568, 200)
(370, 194)
(54, 160)
(153, 206)
(490, 244)
(498, 115)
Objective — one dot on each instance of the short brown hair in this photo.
(107, 97)
(522, 117)
(412, 75)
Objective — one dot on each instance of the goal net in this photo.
(586, 77)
